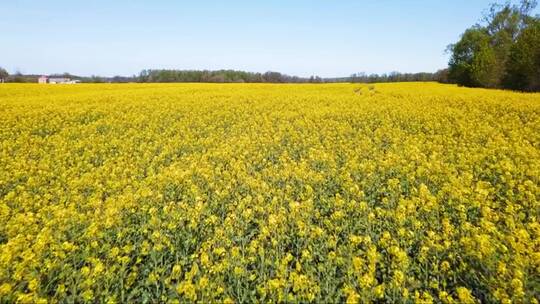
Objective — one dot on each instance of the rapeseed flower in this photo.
(225, 193)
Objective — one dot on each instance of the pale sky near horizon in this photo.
(296, 37)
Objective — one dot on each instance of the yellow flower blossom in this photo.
(464, 295)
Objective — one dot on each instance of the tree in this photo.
(18, 77)
(273, 77)
(96, 79)
(486, 55)
(441, 76)
(524, 61)
(504, 25)
(3, 75)
(473, 59)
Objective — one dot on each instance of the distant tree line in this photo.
(230, 76)
(220, 76)
(439, 76)
(17, 77)
(503, 51)
(31, 78)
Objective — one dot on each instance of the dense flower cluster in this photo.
(269, 193)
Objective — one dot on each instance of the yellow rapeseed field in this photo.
(231, 193)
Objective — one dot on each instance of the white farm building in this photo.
(57, 80)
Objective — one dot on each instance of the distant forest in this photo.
(233, 76)
(275, 77)
(502, 51)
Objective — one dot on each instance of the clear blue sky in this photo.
(298, 37)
